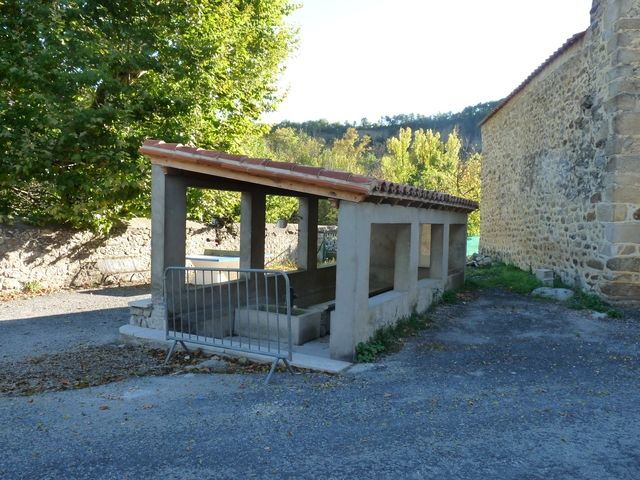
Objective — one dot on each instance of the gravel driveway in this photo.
(62, 321)
(502, 386)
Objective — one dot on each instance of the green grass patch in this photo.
(389, 339)
(589, 301)
(33, 286)
(449, 297)
(500, 275)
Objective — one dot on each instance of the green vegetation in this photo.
(82, 84)
(421, 158)
(465, 122)
(389, 339)
(589, 301)
(500, 275)
(33, 286)
(449, 297)
(426, 160)
(509, 277)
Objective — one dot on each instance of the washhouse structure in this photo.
(398, 246)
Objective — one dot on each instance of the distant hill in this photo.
(467, 122)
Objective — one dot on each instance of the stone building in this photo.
(561, 172)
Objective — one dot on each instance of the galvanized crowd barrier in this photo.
(243, 310)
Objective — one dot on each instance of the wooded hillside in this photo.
(466, 122)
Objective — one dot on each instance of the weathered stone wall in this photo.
(64, 258)
(561, 172)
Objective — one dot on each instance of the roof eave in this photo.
(256, 174)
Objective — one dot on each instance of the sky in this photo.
(370, 58)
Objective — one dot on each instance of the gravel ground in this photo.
(501, 386)
(63, 321)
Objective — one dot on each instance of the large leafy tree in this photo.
(82, 83)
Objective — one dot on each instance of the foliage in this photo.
(500, 275)
(32, 286)
(589, 301)
(280, 207)
(425, 160)
(465, 122)
(389, 338)
(83, 83)
(449, 297)
(349, 153)
(206, 205)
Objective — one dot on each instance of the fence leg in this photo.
(288, 365)
(273, 369)
(184, 346)
(173, 349)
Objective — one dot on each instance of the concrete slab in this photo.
(312, 357)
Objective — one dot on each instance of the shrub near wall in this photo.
(58, 258)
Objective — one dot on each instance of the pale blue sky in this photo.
(368, 58)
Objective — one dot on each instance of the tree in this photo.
(82, 83)
(398, 166)
(428, 162)
(349, 153)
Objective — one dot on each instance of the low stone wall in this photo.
(32, 257)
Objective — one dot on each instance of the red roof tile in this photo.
(366, 188)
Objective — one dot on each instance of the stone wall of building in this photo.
(42, 257)
(561, 172)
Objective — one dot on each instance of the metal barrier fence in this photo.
(327, 245)
(244, 310)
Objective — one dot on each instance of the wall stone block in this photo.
(624, 264)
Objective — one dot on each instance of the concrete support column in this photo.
(438, 258)
(414, 260)
(457, 254)
(168, 232)
(445, 255)
(168, 226)
(252, 223)
(402, 272)
(307, 258)
(352, 281)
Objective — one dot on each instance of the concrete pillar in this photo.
(438, 258)
(402, 272)
(457, 255)
(352, 281)
(307, 258)
(252, 223)
(168, 225)
(414, 260)
(445, 255)
(168, 232)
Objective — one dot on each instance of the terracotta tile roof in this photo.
(568, 44)
(299, 178)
